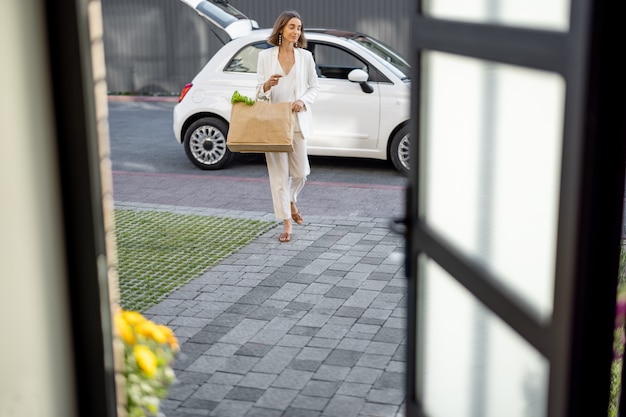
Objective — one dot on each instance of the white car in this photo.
(362, 109)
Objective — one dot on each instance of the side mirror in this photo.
(360, 76)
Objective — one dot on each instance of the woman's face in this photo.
(292, 30)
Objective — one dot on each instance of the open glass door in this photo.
(514, 208)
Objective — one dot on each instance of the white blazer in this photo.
(307, 86)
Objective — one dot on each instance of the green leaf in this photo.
(240, 98)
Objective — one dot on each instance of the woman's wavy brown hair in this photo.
(281, 22)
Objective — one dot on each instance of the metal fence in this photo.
(157, 46)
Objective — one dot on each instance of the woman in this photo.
(286, 73)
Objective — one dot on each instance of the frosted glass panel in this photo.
(532, 14)
(491, 168)
(473, 363)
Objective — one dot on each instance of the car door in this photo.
(346, 119)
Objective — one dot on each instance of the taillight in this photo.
(184, 92)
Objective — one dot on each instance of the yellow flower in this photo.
(152, 331)
(170, 336)
(146, 360)
(124, 329)
(133, 318)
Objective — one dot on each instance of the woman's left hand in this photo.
(297, 106)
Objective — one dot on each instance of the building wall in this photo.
(157, 46)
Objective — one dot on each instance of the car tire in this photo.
(205, 143)
(399, 151)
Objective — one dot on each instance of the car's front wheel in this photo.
(399, 150)
(205, 143)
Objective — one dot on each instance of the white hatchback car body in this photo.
(362, 109)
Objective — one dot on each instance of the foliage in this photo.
(149, 350)
(619, 338)
(238, 97)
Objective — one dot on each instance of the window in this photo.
(333, 62)
(246, 59)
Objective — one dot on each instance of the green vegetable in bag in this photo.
(238, 97)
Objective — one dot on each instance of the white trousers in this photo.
(287, 172)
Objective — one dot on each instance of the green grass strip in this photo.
(159, 252)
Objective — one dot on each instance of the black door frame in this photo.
(77, 143)
(578, 341)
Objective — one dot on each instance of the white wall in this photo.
(35, 349)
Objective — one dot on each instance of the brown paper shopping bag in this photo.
(262, 127)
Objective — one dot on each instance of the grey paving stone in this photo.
(317, 388)
(367, 328)
(314, 319)
(342, 321)
(209, 335)
(369, 360)
(200, 404)
(313, 353)
(257, 295)
(192, 378)
(396, 323)
(371, 321)
(355, 312)
(358, 345)
(264, 313)
(244, 331)
(364, 375)
(300, 412)
(310, 402)
(295, 305)
(390, 380)
(323, 342)
(361, 298)
(238, 308)
(231, 408)
(340, 292)
(257, 380)
(294, 341)
(396, 366)
(304, 330)
(254, 349)
(386, 396)
(264, 412)
(304, 365)
(206, 364)
(382, 348)
(288, 291)
(212, 392)
(275, 280)
(387, 334)
(277, 398)
(276, 360)
(269, 336)
(237, 364)
(304, 278)
(378, 410)
(333, 331)
(224, 378)
(332, 373)
(222, 349)
(354, 389)
(244, 394)
(344, 358)
(344, 406)
(292, 378)
(377, 313)
(181, 391)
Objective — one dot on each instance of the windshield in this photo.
(386, 54)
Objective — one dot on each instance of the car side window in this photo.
(333, 62)
(246, 59)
